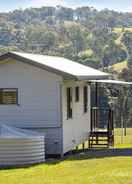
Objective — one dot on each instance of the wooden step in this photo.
(101, 144)
(98, 139)
(97, 147)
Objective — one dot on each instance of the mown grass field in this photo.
(125, 141)
(118, 67)
(86, 168)
(119, 30)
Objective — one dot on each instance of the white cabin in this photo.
(50, 95)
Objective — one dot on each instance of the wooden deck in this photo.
(100, 136)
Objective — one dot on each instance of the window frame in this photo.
(85, 99)
(69, 98)
(77, 94)
(8, 89)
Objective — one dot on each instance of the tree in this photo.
(63, 13)
(76, 36)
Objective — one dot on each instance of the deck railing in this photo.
(102, 120)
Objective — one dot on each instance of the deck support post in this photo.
(83, 146)
(96, 105)
(96, 94)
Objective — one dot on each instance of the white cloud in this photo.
(39, 3)
(66, 3)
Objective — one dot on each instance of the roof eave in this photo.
(112, 82)
(65, 75)
(93, 77)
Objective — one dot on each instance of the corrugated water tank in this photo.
(20, 147)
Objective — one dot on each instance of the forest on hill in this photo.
(94, 38)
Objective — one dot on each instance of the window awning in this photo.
(112, 82)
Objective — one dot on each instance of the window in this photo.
(69, 103)
(85, 98)
(77, 94)
(8, 96)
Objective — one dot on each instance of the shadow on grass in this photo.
(92, 154)
(19, 167)
(82, 155)
(102, 153)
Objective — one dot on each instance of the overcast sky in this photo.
(119, 5)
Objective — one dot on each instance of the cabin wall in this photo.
(53, 139)
(38, 98)
(75, 130)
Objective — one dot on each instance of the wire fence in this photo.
(123, 138)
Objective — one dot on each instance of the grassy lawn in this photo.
(119, 30)
(120, 66)
(87, 168)
(126, 142)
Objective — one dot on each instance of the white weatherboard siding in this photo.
(75, 130)
(38, 98)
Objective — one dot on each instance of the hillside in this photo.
(118, 67)
(95, 38)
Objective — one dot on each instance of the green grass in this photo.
(82, 170)
(120, 66)
(126, 141)
(88, 168)
(119, 30)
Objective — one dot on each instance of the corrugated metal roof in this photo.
(112, 82)
(61, 65)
